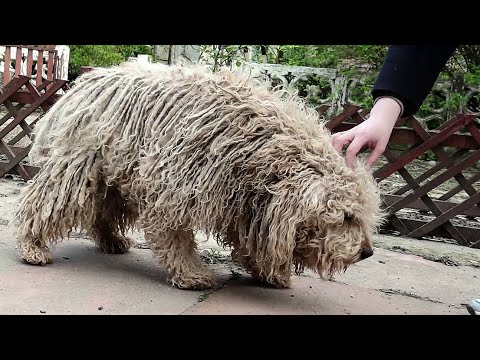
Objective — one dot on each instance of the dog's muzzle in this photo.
(366, 253)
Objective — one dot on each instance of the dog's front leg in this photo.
(176, 251)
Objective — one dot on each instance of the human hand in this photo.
(373, 132)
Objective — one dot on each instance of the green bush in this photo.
(329, 56)
(102, 56)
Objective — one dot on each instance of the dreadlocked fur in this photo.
(172, 150)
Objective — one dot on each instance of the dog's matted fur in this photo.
(176, 149)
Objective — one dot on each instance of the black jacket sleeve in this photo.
(409, 73)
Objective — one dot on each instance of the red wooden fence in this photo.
(456, 145)
(23, 94)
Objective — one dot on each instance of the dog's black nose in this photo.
(366, 253)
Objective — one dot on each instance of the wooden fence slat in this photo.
(12, 87)
(400, 225)
(18, 61)
(51, 57)
(349, 111)
(5, 167)
(470, 233)
(431, 171)
(36, 94)
(29, 62)
(448, 123)
(23, 132)
(447, 174)
(394, 219)
(39, 67)
(14, 160)
(446, 216)
(444, 206)
(322, 109)
(8, 115)
(462, 121)
(12, 110)
(459, 188)
(6, 66)
(474, 131)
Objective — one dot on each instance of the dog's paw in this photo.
(117, 244)
(278, 282)
(194, 282)
(37, 257)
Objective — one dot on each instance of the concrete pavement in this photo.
(84, 281)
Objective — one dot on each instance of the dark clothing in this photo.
(409, 73)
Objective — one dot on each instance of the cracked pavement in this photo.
(400, 278)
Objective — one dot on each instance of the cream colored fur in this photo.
(172, 150)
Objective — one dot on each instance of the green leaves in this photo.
(102, 55)
(333, 56)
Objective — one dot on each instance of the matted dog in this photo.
(171, 150)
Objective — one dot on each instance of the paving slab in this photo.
(310, 296)
(84, 281)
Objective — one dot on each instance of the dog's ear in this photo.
(278, 230)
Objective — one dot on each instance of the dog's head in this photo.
(324, 222)
(341, 215)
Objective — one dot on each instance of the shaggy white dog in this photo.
(175, 149)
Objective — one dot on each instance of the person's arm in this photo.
(409, 73)
(405, 79)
